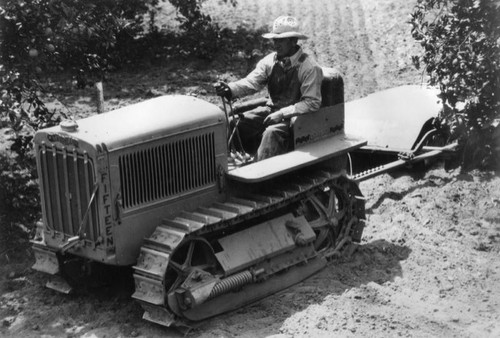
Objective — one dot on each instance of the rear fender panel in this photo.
(392, 119)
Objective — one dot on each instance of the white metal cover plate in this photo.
(298, 158)
(247, 247)
(392, 118)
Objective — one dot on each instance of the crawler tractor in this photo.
(158, 186)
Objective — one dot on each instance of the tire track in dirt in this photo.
(364, 73)
(391, 41)
(355, 55)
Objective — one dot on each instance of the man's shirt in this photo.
(309, 73)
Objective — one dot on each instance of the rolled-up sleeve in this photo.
(254, 81)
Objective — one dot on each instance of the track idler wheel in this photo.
(189, 278)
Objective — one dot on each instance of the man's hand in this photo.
(273, 118)
(223, 90)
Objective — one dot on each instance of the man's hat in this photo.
(285, 27)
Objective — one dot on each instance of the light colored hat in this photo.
(285, 27)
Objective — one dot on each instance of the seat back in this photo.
(329, 119)
(332, 87)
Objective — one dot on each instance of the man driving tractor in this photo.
(293, 80)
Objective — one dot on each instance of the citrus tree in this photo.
(461, 55)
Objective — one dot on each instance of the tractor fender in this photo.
(392, 119)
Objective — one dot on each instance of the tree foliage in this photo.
(461, 55)
(83, 36)
(202, 35)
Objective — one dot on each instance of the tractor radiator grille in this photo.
(67, 182)
(166, 170)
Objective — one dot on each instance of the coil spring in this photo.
(231, 283)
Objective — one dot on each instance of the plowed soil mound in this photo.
(428, 264)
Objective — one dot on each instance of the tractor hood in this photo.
(138, 123)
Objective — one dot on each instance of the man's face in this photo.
(284, 47)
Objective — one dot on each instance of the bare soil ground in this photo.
(429, 261)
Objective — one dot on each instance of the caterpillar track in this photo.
(181, 274)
